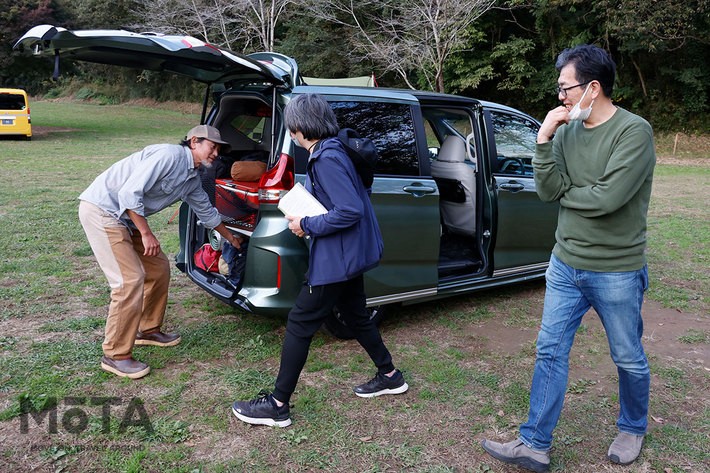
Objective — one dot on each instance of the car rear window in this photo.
(251, 119)
(12, 102)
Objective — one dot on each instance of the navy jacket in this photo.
(346, 241)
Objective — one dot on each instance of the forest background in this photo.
(498, 50)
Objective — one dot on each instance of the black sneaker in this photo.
(262, 411)
(382, 384)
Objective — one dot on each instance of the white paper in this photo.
(298, 202)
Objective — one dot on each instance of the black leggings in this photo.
(313, 305)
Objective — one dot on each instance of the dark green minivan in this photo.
(453, 192)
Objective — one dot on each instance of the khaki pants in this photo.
(139, 284)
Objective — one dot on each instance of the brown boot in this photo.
(158, 339)
(128, 368)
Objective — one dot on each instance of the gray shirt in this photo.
(149, 181)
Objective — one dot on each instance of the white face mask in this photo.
(577, 113)
(295, 140)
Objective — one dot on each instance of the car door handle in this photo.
(512, 186)
(418, 190)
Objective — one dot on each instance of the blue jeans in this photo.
(617, 298)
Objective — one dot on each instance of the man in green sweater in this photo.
(597, 161)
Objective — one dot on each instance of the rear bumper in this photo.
(20, 126)
(16, 132)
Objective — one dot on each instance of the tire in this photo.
(337, 327)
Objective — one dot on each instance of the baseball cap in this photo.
(209, 133)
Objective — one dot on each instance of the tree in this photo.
(318, 47)
(98, 14)
(199, 18)
(660, 48)
(16, 17)
(504, 53)
(666, 40)
(414, 38)
(232, 24)
(259, 19)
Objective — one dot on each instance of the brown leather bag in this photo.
(248, 170)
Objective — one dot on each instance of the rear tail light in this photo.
(277, 180)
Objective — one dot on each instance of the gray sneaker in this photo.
(625, 448)
(517, 453)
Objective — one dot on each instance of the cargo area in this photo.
(244, 184)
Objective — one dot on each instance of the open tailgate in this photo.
(183, 55)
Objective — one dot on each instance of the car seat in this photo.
(457, 187)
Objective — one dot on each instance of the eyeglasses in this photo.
(563, 90)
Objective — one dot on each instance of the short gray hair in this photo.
(311, 115)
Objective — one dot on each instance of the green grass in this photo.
(678, 229)
(693, 336)
(468, 359)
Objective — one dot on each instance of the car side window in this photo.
(515, 138)
(440, 123)
(390, 126)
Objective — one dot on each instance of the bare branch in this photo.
(224, 23)
(406, 35)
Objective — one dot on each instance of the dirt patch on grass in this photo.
(43, 131)
(663, 329)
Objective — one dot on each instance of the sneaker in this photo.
(382, 384)
(157, 339)
(625, 448)
(262, 411)
(128, 368)
(517, 453)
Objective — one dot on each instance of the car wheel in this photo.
(336, 326)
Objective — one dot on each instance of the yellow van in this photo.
(15, 113)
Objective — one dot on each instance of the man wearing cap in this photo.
(113, 212)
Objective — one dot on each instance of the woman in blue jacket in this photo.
(345, 242)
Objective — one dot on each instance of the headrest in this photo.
(453, 150)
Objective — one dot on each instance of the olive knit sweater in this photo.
(602, 178)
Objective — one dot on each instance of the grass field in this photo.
(468, 360)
